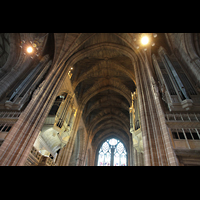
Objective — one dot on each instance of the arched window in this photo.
(112, 153)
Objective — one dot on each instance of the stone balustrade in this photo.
(10, 115)
(182, 117)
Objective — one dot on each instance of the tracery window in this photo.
(112, 153)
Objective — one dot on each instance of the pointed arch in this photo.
(108, 152)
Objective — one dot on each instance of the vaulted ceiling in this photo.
(103, 80)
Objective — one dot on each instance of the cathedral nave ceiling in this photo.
(103, 80)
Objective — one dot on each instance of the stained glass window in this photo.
(112, 153)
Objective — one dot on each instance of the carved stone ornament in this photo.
(162, 90)
(35, 93)
(155, 87)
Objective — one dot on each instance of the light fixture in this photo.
(33, 48)
(144, 40)
(71, 67)
(29, 49)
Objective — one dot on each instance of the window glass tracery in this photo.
(112, 153)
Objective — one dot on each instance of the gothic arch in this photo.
(108, 124)
(103, 139)
(101, 66)
(91, 49)
(79, 41)
(107, 116)
(95, 90)
(114, 131)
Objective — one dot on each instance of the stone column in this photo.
(138, 158)
(132, 155)
(135, 157)
(21, 137)
(142, 116)
(82, 149)
(142, 157)
(80, 159)
(131, 152)
(156, 142)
